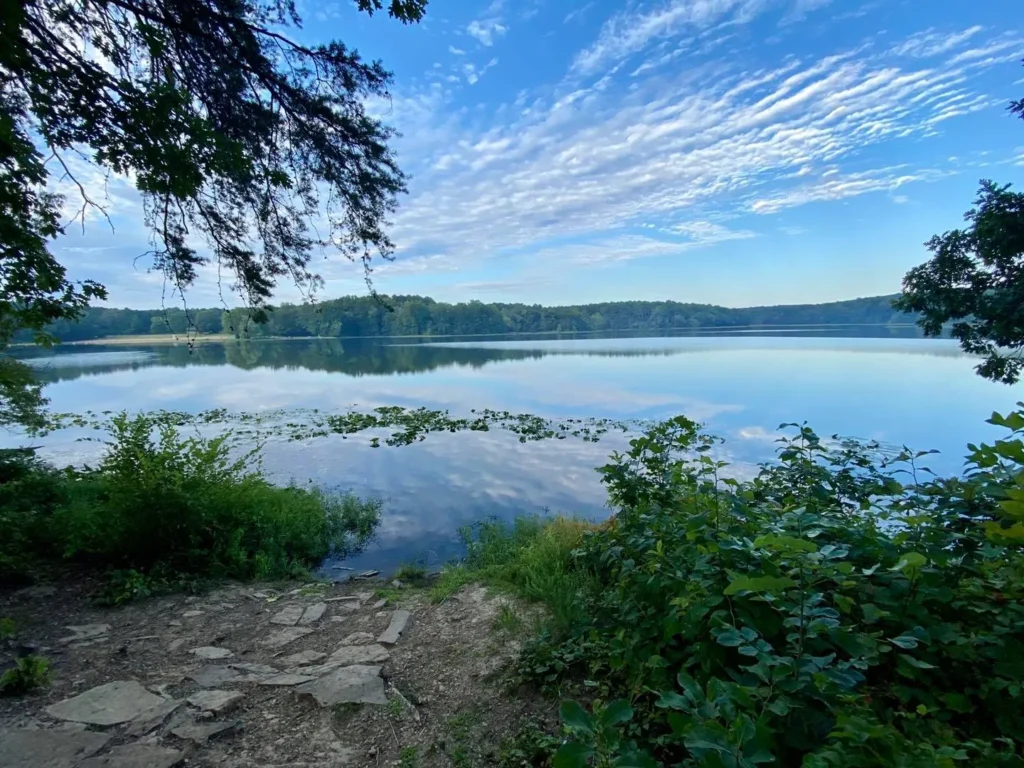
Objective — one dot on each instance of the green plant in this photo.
(27, 674)
(508, 620)
(395, 707)
(531, 746)
(842, 608)
(6, 628)
(411, 574)
(409, 757)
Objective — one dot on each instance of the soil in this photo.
(450, 701)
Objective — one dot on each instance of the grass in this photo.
(409, 757)
(161, 508)
(531, 558)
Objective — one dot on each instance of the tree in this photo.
(238, 138)
(976, 281)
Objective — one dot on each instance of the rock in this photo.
(38, 591)
(136, 756)
(215, 701)
(49, 747)
(210, 652)
(201, 733)
(303, 657)
(313, 613)
(398, 584)
(342, 598)
(211, 677)
(287, 678)
(341, 568)
(283, 637)
(364, 596)
(260, 670)
(110, 704)
(379, 604)
(318, 670)
(175, 644)
(400, 622)
(173, 623)
(191, 614)
(366, 575)
(85, 632)
(358, 638)
(153, 718)
(359, 654)
(288, 616)
(347, 685)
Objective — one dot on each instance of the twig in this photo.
(397, 742)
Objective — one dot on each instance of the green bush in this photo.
(840, 609)
(30, 491)
(159, 507)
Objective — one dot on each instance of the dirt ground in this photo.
(449, 701)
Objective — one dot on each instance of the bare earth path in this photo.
(324, 675)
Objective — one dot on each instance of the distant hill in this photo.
(364, 316)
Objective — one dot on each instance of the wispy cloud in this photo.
(933, 43)
(577, 13)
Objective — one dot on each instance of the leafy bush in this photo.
(840, 609)
(160, 506)
(30, 491)
(27, 674)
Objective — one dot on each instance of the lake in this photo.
(882, 384)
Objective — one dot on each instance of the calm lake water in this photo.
(866, 383)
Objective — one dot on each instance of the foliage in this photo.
(531, 746)
(27, 674)
(529, 558)
(841, 608)
(387, 316)
(975, 280)
(160, 507)
(232, 132)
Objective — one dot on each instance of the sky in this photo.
(734, 152)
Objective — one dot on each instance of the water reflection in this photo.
(899, 390)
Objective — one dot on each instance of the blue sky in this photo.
(736, 152)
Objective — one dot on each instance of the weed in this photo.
(411, 574)
(531, 747)
(6, 628)
(27, 674)
(507, 620)
(395, 707)
(409, 757)
(458, 744)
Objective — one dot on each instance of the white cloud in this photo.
(485, 30)
(932, 43)
(577, 13)
(456, 51)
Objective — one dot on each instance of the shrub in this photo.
(840, 609)
(160, 507)
(27, 674)
(30, 491)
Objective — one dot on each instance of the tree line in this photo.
(368, 316)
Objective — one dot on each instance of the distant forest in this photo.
(366, 316)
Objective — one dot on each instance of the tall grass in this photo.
(164, 504)
(531, 558)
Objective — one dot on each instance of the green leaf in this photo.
(730, 638)
(784, 543)
(573, 755)
(617, 712)
(759, 584)
(905, 641)
(914, 662)
(575, 717)
(909, 562)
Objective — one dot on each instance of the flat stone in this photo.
(283, 637)
(400, 622)
(347, 685)
(359, 654)
(347, 608)
(366, 575)
(364, 596)
(136, 756)
(358, 638)
(201, 733)
(288, 616)
(260, 670)
(153, 718)
(316, 671)
(110, 704)
(287, 678)
(211, 677)
(85, 632)
(210, 652)
(303, 657)
(379, 604)
(37, 591)
(312, 614)
(215, 701)
(49, 747)
(175, 644)
(342, 598)
(191, 614)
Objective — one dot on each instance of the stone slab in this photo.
(358, 638)
(215, 701)
(286, 679)
(312, 614)
(200, 733)
(110, 704)
(288, 616)
(303, 657)
(347, 685)
(401, 621)
(260, 670)
(48, 748)
(136, 756)
(359, 654)
(211, 652)
(153, 718)
(318, 670)
(283, 637)
(85, 632)
(211, 677)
